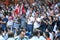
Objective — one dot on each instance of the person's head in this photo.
(36, 15)
(47, 30)
(10, 34)
(30, 14)
(9, 14)
(22, 34)
(47, 35)
(50, 18)
(41, 33)
(53, 32)
(4, 16)
(36, 33)
(56, 18)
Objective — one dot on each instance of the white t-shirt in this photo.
(1, 38)
(42, 38)
(30, 20)
(10, 23)
(37, 23)
(34, 38)
(27, 13)
(10, 39)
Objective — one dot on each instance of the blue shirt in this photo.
(4, 24)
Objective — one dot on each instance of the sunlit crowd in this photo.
(24, 21)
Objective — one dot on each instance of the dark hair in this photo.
(47, 34)
(4, 15)
(35, 33)
(53, 32)
(20, 31)
(48, 29)
(10, 13)
(10, 34)
(41, 33)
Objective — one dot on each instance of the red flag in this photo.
(17, 9)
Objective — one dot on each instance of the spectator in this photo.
(36, 35)
(10, 23)
(10, 36)
(16, 23)
(36, 17)
(47, 36)
(1, 37)
(37, 21)
(21, 36)
(4, 22)
(30, 22)
(41, 36)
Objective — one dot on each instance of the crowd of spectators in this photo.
(24, 21)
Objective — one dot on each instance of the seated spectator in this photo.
(21, 36)
(36, 35)
(10, 36)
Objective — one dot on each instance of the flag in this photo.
(17, 9)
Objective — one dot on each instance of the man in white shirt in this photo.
(10, 23)
(37, 21)
(30, 22)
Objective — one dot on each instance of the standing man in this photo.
(4, 22)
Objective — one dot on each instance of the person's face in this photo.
(22, 34)
(49, 17)
(53, 33)
(36, 15)
(30, 15)
(56, 18)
